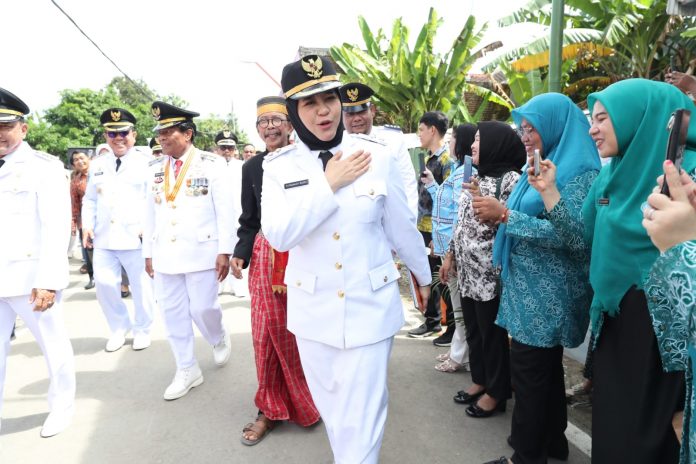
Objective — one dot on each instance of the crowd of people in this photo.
(535, 233)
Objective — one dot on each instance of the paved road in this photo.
(122, 418)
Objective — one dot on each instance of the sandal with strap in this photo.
(259, 430)
(448, 366)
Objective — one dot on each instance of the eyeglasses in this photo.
(274, 122)
(525, 130)
(114, 134)
(227, 147)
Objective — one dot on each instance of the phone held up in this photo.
(678, 127)
(468, 161)
(537, 162)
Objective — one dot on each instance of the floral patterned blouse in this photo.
(547, 294)
(472, 242)
(78, 185)
(671, 292)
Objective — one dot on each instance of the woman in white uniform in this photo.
(336, 201)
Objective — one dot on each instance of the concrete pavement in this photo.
(122, 418)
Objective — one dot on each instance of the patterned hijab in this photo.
(622, 252)
(564, 133)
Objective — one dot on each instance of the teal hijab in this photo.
(564, 132)
(622, 252)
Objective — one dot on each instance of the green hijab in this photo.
(622, 252)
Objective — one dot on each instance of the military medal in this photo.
(196, 186)
(204, 188)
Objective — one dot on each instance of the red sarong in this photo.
(283, 393)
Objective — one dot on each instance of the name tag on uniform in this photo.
(159, 177)
(98, 173)
(297, 183)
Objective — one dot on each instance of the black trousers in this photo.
(87, 254)
(633, 398)
(489, 354)
(540, 417)
(432, 312)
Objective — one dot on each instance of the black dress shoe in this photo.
(90, 284)
(125, 294)
(478, 412)
(500, 460)
(463, 397)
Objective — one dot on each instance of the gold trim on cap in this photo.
(12, 112)
(304, 85)
(167, 121)
(361, 102)
(271, 107)
(118, 125)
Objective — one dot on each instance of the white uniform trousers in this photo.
(186, 298)
(349, 388)
(459, 350)
(49, 331)
(107, 278)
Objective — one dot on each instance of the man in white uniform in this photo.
(337, 203)
(113, 211)
(358, 116)
(189, 235)
(35, 206)
(226, 143)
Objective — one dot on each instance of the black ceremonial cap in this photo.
(11, 107)
(226, 139)
(355, 97)
(155, 144)
(117, 119)
(307, 76)
(168, 115)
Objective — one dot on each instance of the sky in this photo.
(157, 40)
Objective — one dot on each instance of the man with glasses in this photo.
(226, 142)
(282, 393)
(35, 208)
(113, 211)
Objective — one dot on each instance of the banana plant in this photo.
(410, 81)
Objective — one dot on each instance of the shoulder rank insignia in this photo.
(369, 138)
(156, 160)
(279, 152)
(209, 156)
(393, 127)
(45, 156)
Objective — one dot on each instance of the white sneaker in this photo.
(223, 350)
(141, 341)
(56, 422)
(184, 380)
(116, 340)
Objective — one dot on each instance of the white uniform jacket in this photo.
(234, 176)
(397, 143)
(341, 278)
(35, 212)
(114, 202)
(188, 234)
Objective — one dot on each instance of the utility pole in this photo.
(556, 45)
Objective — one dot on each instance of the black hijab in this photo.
(500, 149)
(464, 135)
(308, 137)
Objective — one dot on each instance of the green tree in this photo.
(408, 82)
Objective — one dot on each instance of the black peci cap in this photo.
(355, 97)
(117, 119)
(307, 76)
(168, 115)
(155, 144)
(271, 104)
(11, 107)
(226, 139)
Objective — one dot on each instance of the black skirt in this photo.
(634, 400)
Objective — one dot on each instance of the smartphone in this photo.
(421, 164)
(537, 162)
(678, 127)
(467, 168)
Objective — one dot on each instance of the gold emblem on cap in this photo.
(115, 116)
(313, 68)
(156, 112)
(352, 94)
(157, 140)
(226, 134)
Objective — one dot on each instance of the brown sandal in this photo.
(259, 430)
